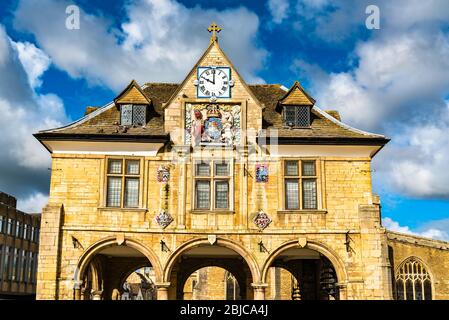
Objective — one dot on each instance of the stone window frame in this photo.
(123, 175)
(212, 178)
(319, 177)
(406, 271)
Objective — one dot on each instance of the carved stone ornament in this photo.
(163, 174)
(212, 238)
(302, 242)
(262, 220)
(262, 173)
(164, 219)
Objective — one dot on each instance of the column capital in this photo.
(259, 286)
(162, 285)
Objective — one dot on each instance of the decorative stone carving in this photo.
(212, 238)
(212, 124)
(163, 174)
(262, 220)
(262, 173)
(164, 219)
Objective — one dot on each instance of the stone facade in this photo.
(341, 239)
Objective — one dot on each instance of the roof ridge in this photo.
(346, 126)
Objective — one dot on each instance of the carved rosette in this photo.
(262, 220)
(164, 219)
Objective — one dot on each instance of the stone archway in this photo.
(314, 255)
(200, 253)
(96, 254)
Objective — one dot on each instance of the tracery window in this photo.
(232, 287)
(413, 281)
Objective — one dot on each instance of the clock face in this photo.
(214, 82)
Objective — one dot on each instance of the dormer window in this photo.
(133, 115)
(297, 116)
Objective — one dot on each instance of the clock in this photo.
(214, 82)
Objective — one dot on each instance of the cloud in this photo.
(159, 40)
(34, 60)
(278, 10)
(396, 83)
(438, 230)
(34, 203)
(23, 161)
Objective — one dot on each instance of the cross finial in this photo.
(214, 29)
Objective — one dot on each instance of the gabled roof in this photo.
(104, 122)
(133, 94)
(197, 64)
(297, 96)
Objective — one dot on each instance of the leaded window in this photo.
(123, 183)
(297, 116)
(133, 115)
(413, 281)
(212, 185)
(300, 183)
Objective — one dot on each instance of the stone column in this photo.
(77, 290)
(97, 294)
(162, 290)
(259, 290)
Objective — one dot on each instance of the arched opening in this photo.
(138, 285)
(297, 273)
(105, 269)
(212, 283)
(185, 269)
(413, 281)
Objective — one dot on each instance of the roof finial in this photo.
(214, 29)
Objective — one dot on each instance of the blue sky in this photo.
(393, 81)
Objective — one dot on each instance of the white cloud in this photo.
(438, 230)
(397, 85)
(33, 204)
(160, 40)
(23, 161)
(34, 60)
(278, 10)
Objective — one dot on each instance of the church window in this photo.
(212, 185)
(413, 281)
(123, 180)
(133, 115)
(297, 116)
(300, 185)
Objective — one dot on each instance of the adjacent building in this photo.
(214, 172)
(19, 244)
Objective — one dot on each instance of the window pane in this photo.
(290, 116)
(202, 169)
(115, 166)
(127, 115)
(139, 115)
(132, 167)
(221, 169)
(291, 168)
(131, 193)
(114, 191)
(202, 191)
(221, 194)
(291, 194)
(2, 219)
(309, 193)
(302, 116)
(308, 168)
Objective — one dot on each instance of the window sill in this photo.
(122, 209)
(302, 211)
(198, 211)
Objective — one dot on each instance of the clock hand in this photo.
(213, 78)
(207, 80)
